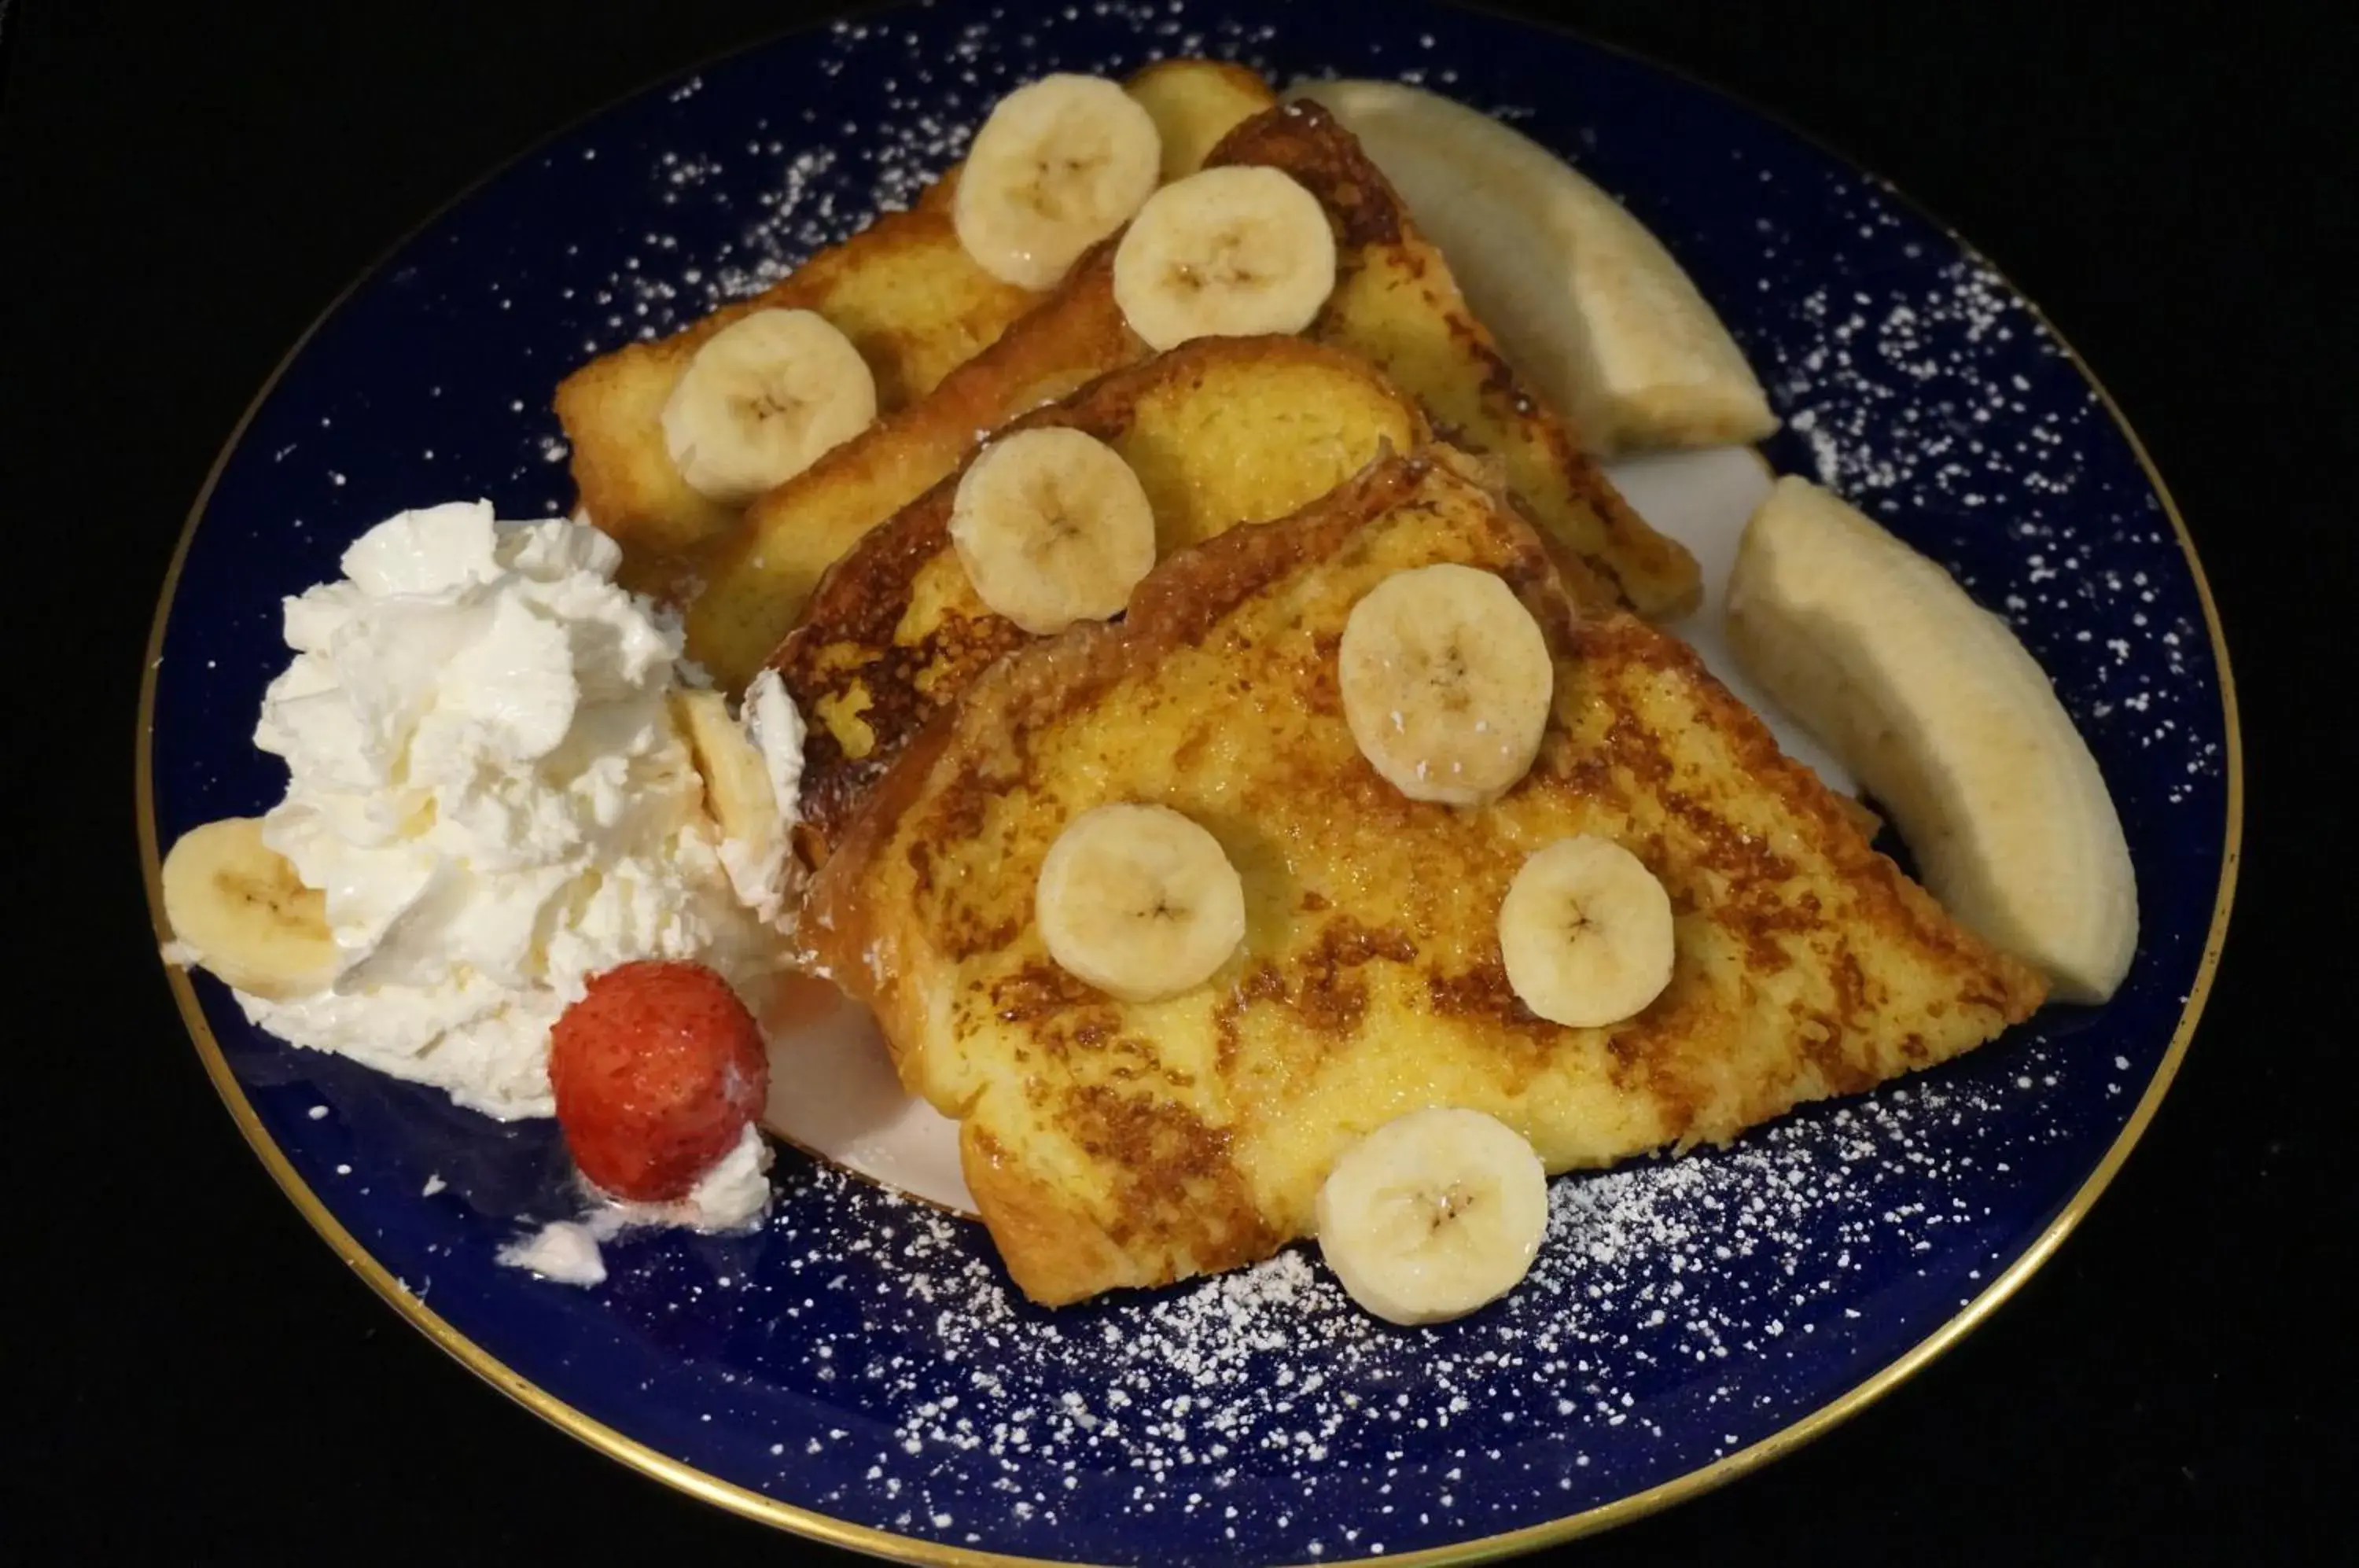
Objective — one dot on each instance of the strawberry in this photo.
(657, 1070)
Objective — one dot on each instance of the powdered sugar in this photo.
(832, 176)
(1655, 1282)
(863, 1356)
(1924, 393)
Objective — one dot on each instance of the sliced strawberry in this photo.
(657, 1070)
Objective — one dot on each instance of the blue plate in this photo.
(860, 1369)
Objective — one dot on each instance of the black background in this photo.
(190, 1374)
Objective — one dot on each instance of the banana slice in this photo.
(765, 398)
(238, 904)
(741, 798)
(736, 782)
(1434, 1214)
(1446, 683)
(1139, 901)
(1949, 723)
(1228, 252)
(1061, 163)
(1586, 934)
(1586, 302)
(1053, 528)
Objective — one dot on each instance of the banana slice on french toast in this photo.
(1219, 432)
(1114, 1143)
(1393, 303)
(905, 291)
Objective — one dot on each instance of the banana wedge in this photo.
(1061, 163)
(1433, 1215)
(238, 904)
(741, 796)
(1949, 724)
(1585, 299)
(1232, 252)
(738, 791)
(1052, 527)
(1585, 931)
(1446, 683)
(1139, 901)
(765, 399)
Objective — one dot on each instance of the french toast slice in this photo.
(1112, 1144)
(1395, 304)
(903, 290)
(1220, 431)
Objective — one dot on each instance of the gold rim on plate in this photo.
(909, 1549)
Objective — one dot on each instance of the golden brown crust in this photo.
(1370, 980)
(904, 291)
(1181, 1206)
(1063, 1254)
(1222, 430)
(757, 578)
(1481, 405)
(1395, 304)
(1194, 104)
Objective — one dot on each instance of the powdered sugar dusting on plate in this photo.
(1654, 1283)
(1925, 393)
(825, 176)
(865, 1355)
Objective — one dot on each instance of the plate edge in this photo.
(825, 1528)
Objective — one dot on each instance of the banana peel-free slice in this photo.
(1061, 163)
(1230, 253)
(1586, 934)
(1434, 1214)
(1446, 683)
(1949, 724)
(239, 906)
(765, 399)
(1138, 901)
(1052, 527)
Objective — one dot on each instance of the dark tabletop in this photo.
(193, 1376)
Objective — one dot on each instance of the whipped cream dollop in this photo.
(775, 728)
(731, 1196)
(565, 1250)
(486, 782)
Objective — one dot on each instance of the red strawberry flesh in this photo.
(658, 1071)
